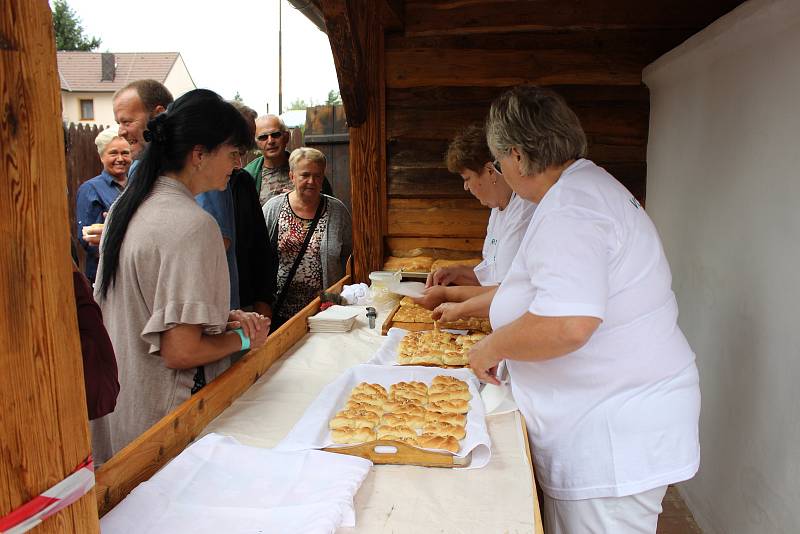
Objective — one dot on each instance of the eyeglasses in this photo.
(275, 135)
(496, 165)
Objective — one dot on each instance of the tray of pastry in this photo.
(418, 267)
(398, 415)
(410, 316)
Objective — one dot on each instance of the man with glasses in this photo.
(271, 169)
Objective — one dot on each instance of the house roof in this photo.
(81, 71)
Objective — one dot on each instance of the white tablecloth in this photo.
(392, 499)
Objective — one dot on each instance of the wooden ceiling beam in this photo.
(391, 14)
(347, 56)
(460, 17)
(421, 67)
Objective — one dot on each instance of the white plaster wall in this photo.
(723, 188)
(103, 111)
(179, 80)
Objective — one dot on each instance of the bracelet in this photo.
(245, 339)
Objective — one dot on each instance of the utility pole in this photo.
(280, 59)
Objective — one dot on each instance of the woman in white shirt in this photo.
(586, 321)
(469, 156)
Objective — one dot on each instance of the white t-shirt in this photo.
(620, 415)
(503, 236)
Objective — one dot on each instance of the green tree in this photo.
(299, 103)
(334, 97)
(68, 29)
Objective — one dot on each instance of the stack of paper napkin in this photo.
(334, 319)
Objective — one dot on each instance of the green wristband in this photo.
(245, 339)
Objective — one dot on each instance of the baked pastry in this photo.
(415, 264)
(471, 262)
(353, 405)
(436, 347)
(414, 420)
(461, 394)
(369, 389)
(397, 431)
(442, 417)
(447, 380)
(354, 419)
(444, 429)
(431, 441)
(352, 435)
(449, 388)
(413, 314)
(451, 406)
(454, 359)
(374, 400)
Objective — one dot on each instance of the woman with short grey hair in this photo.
(310, 233)
(586, 322)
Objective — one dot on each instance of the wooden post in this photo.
(44, 433)
(367, 138)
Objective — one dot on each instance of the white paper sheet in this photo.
(410, 289)
(312, 429)
(218, 485)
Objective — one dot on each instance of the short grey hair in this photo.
(104, 137)
(305, 153)
(539, 124)
(281, 124)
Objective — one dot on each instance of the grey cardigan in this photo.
(337, 241)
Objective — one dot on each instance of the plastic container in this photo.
(382, 286)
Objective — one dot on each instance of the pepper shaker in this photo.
(371, 315)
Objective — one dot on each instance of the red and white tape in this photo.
(66, 492)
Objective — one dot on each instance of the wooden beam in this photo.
(44, 431)
(462, 218)
(437, 247)
(391, 14)
(368, 153)
(166, 439)
(348, 56)
(449, 17)
(420, 67)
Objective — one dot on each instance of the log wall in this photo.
(453, 58)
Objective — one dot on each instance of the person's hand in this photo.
(251, 323)
(484, 361)
(92, 234)
(433, 297)
(261, 335)
(447, 312)
(443, 276)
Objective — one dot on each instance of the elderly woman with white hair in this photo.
(586, 322)
(310, 234)
(96, 195)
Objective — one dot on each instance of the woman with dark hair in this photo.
(586, 322)
(163, 278)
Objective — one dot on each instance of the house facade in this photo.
(90, 79)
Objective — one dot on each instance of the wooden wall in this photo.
(453, 58)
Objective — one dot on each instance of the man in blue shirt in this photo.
(95, 196)
(220, 205)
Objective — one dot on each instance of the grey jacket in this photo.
(337, 241)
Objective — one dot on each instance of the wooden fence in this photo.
(83, 163)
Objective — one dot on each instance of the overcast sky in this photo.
(227, 46)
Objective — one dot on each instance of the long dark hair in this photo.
(200, 117)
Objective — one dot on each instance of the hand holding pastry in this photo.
(447, 312)
(433, 297)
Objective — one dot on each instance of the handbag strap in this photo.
(300, 254)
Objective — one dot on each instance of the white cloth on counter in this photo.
(357, 294)
(504, 233)
(218, 485)
(311, 431)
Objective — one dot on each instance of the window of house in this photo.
(87, 110)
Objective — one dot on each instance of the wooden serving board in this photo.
(403, 454)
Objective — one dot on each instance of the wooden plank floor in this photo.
(676, 517)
